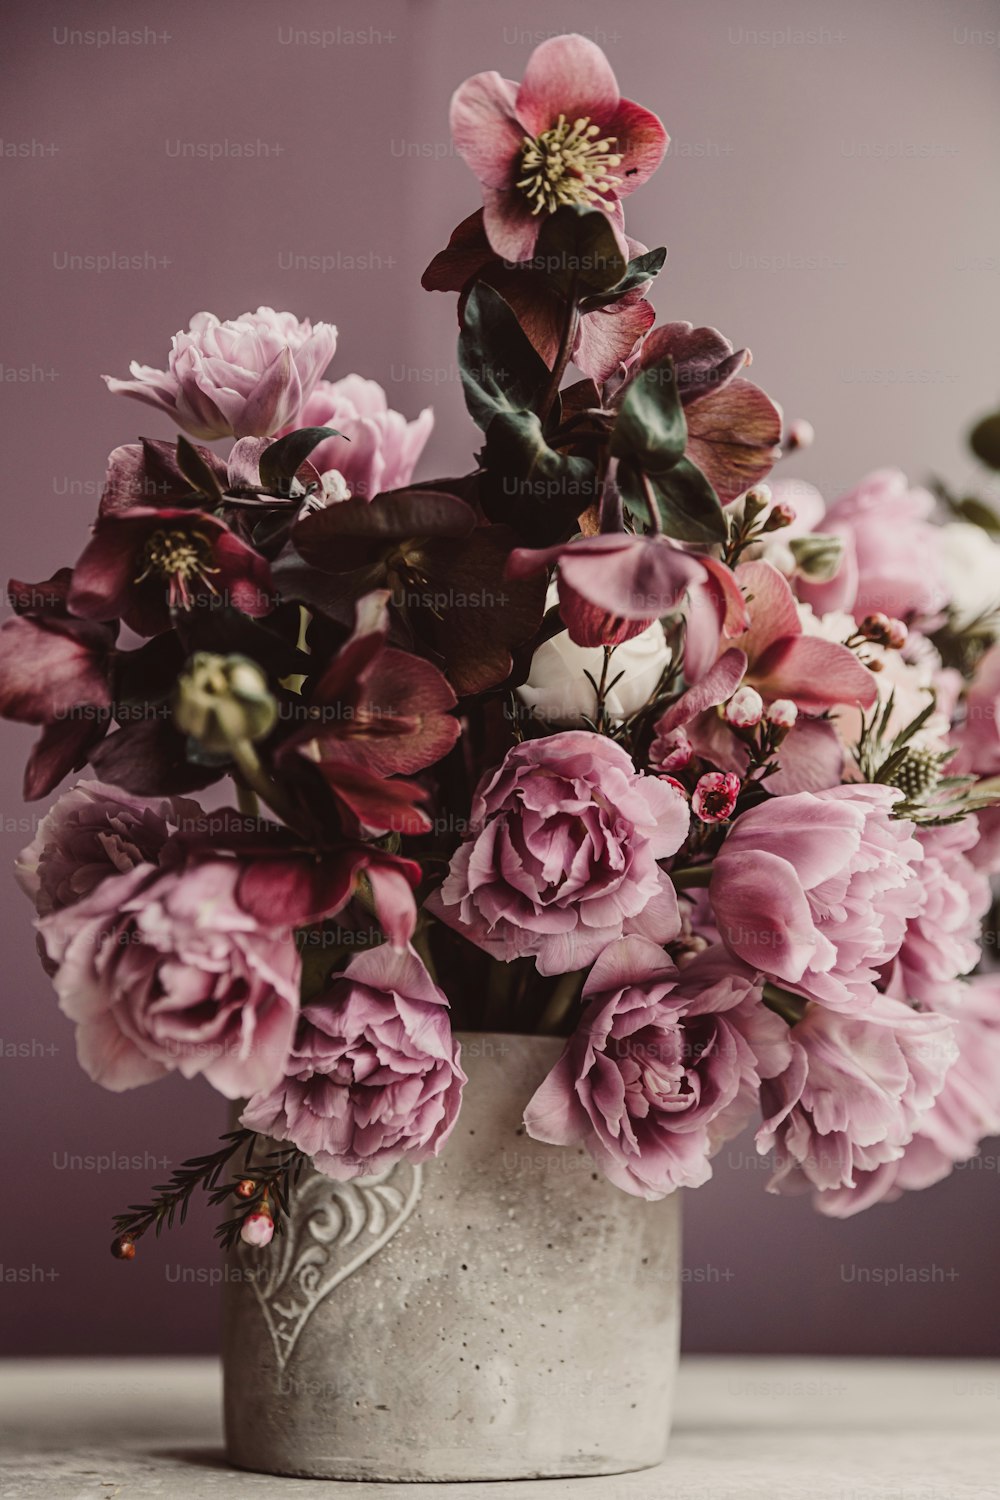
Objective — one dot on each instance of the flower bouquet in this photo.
(582, 810)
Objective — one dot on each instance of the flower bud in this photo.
(897, 635)
(258, 1229)
(799, 435)
(782, 713)
(671, 751)
(223, 699)
(123, 1248)
(715, 796)
(781, 515)
(245, 1188)
(755, 500)
(818, 557)
(884, 631)
(744, 709)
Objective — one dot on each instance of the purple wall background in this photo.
(827, 200)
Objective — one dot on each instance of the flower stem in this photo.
(563, 354)
(692, 875)
(561, 1001)
(790, 1008)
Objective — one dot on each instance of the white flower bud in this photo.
(744, 709)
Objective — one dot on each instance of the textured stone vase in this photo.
(501, 1312)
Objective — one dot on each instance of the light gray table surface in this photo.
(787, 1429)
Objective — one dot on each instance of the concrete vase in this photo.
(501, 1312)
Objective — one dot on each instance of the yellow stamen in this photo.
(568, 164)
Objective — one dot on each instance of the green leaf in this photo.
(280, 463)
(578, 251)
(688, 505)
(651, 429)
(980, 514)
(529, 485)
(638, 273)
(196, 471)
(500, 368)
(984, 440)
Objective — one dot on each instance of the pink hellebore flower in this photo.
(379, 448)
(245, 378)
(660, 1071)
(785, 665)
(613, 586)
(564, 135)
(374, 1073)
(815, 889)
(564, 855)
(856, 1090)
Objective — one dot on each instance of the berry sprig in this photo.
(262, 1189)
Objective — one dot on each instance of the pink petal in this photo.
(714, 688)
(608, 337)
(567, 75)
(815, 674)
(554, 1113)
(734, 436)
(485, 130)
(511, 227)
(642, 142)
(771, 604)
(762, 912)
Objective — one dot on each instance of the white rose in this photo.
(558, 691)
(970, 560)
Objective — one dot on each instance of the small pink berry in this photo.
(258, 1229)
(782, 713)
(715, 796)
(744, 709)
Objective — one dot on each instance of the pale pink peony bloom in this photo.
(93, 831)
(564, 854)
(563, 135)
(165, 970)
(379, 448)
(816, 888)
(374, 1073)
(853, 1095)
(660, 1071)
(964, 1113)
(244, 378)
(942, 941)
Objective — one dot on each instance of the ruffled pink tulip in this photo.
(658, 1073)
(564, 855)
(379, 448)
(245, 378)
(854, 1093)
(374, 1074)
(816, 889)
(165, 970)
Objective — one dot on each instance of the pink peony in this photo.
(942, 941)
(167, 969)
(245, 378)
(852, 1096)
(374, 1073)
(563, 136)
(91, 832)
(379, 448)
(965, 1111)
(892, 559)
(659, 1072)
(816, 888)
(564, 854)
